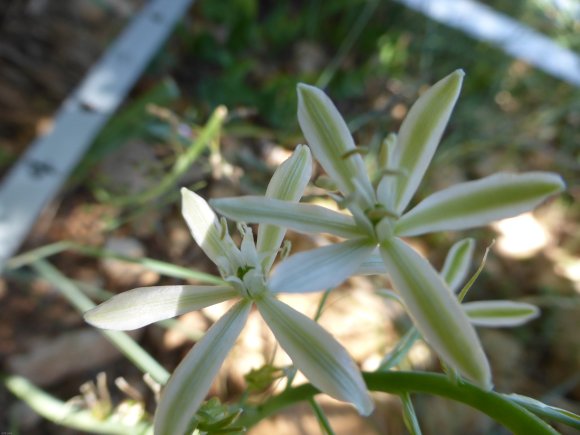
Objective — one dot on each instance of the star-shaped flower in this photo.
(245, 273)
(378, 218)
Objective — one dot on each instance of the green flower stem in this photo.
(64, 413)
(496, 406)
(121, 340)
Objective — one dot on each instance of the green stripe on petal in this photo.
(420, 134)
(207, 230)
(193, 377)
(288, 184)
(321, 268)
(331, 141)
(142, 306)
(457, 263)
(373, 265)
(436, 312)
(306, 218)
(316, 354)
(479, 202)
(500, 313)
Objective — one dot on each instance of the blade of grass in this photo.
(166, 269)
(472, 280)
(100, 295)
(129, 347)
(409, 415)
(320, 416)
(403, 346)
(209, 132)
(347, 43)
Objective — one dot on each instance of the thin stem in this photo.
(321, 304)
(347, 44)
(502, 410)
(161, 267)
(472, 280)
(403, 346)
(210, 131)
(320, 416)
(409, 415)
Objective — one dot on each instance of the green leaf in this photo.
(192, 379)
(546, 411)
(477, 203)
(207, 231)
(435, 311)
(316, 354)
(305, 218)
(141, 306)
(320, 268)
(331, 141)
(409, 415)
(288, 184)
(500, 313)
(420, 134)
(457, 263)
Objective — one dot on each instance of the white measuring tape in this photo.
(40, 172)
(513, 37)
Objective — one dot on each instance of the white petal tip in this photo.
(97, 318)
(366, 408)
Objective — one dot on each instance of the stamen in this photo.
(285, 249)
(378, 213)
(358, 150)
(223, 227)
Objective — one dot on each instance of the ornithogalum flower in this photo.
(245, 274)
(378, 216)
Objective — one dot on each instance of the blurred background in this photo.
(373, 58)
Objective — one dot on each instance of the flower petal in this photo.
(287, 183)
(330, 140)
(207, 230)
(420, 134)
(500, 313)
(192, 379)
(320, 268)
(479, 202)
(435, 311)
(316, 353)
(142, 306)
(457, 263)
(305, 218)
(373, 265)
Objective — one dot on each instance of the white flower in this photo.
(377, 216)
(244, 270)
